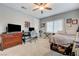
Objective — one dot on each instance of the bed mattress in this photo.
(63, 39)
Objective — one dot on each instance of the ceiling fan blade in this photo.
(41, 12)
(44, 4)
(41, 3)
(35, 9)
(36, 3)
(48, 8)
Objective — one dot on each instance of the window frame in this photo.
(53, 25)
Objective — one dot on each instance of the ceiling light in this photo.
(41, 8)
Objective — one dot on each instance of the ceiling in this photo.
(56, 8)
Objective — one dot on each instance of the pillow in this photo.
(61, 32)
(70, 32)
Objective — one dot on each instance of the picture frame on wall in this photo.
(74, 21)
(69, 20)
(27, 24)
(43, 25)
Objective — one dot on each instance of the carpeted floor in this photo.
(40, 47)
(53, 53)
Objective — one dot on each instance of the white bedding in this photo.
(63, 39)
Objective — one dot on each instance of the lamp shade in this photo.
(78, 29)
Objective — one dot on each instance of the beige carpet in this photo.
(39, 47)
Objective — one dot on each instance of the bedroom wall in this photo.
(9, 15)
(70, 14)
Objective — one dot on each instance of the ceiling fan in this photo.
(42, 7)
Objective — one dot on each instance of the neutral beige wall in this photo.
(9, 15)
(70, 14)
(64, 16)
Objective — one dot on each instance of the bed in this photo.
(63, 39)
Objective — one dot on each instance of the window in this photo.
(54, 26)
(49, 27)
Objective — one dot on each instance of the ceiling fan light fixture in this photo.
(41, 8)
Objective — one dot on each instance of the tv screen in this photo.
(31, 29)
(14, 28)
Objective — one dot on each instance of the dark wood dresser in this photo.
(9, 40)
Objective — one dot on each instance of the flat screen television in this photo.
(31, 29)
(13, 28)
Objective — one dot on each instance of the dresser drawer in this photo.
(9, 40)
